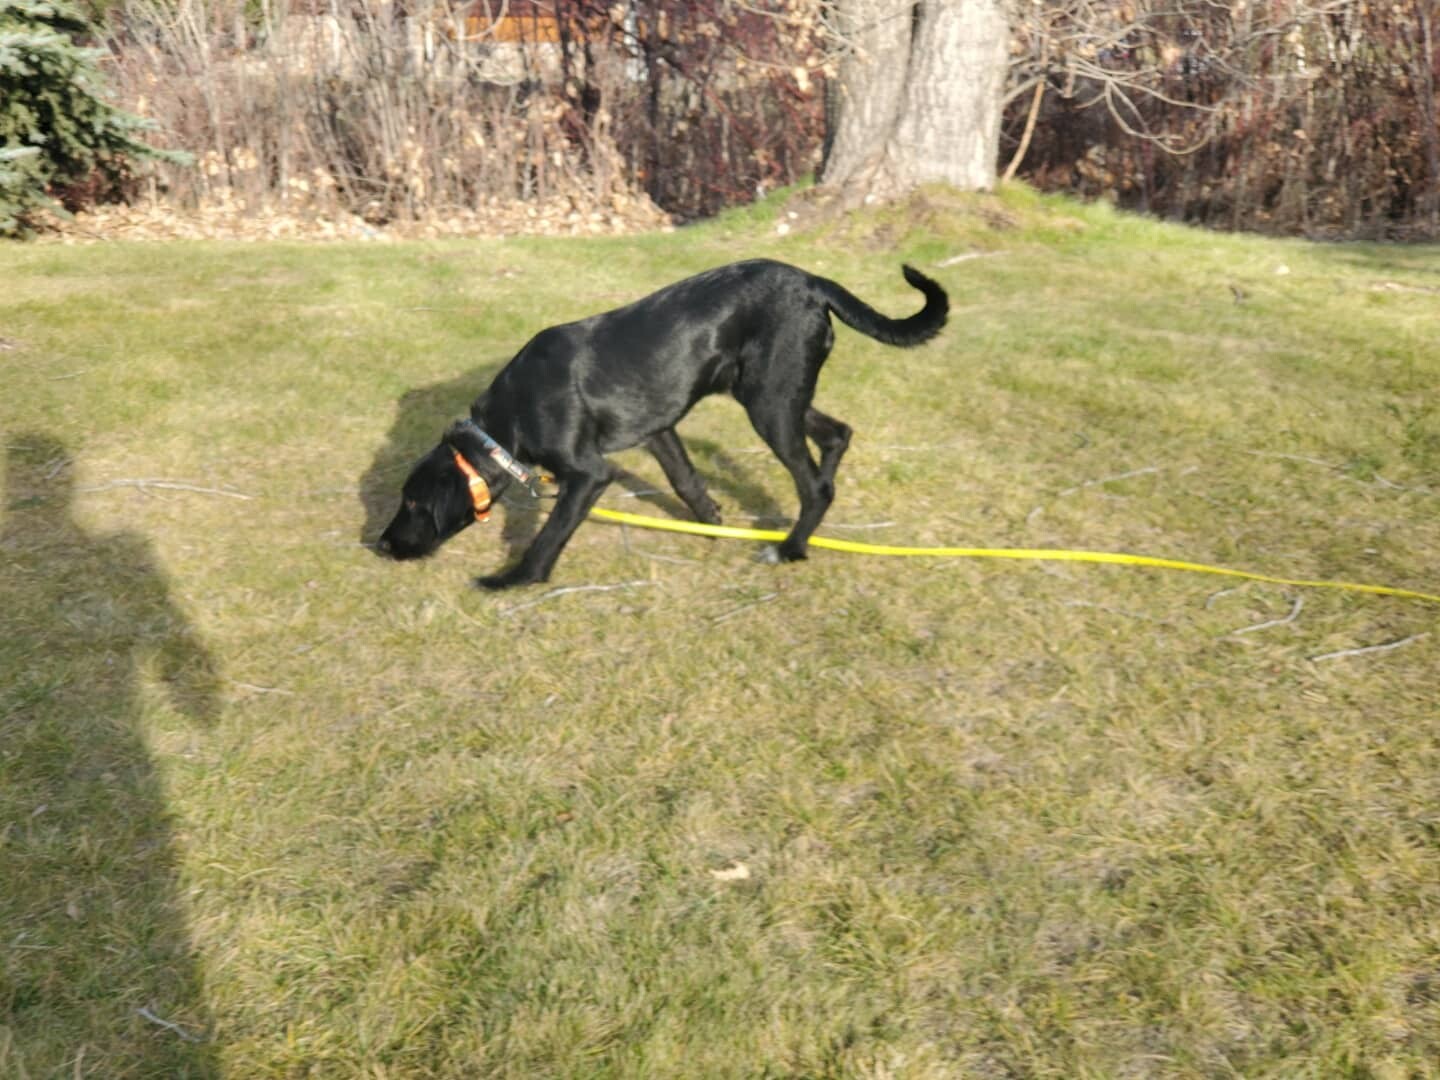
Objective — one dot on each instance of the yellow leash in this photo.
(1039, 554)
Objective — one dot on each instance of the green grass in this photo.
(331, 816)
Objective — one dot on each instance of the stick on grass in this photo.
(1386, 647)
(168, 1025)
(167, 485)
(1294, 611)
(554, 593)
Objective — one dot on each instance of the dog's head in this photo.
(448, 489)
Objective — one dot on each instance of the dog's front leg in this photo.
(578, 492)
(670, 452)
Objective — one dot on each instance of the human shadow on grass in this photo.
(98, 976)
(422, 415)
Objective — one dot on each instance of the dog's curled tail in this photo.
(918, 328)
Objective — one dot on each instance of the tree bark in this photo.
(1430, 123)
(918, 97)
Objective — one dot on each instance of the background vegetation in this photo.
(1313, 117)
(58, 129)
(270, 806)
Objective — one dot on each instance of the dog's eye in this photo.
(410, 504)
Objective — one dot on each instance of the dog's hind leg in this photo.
(670, 452)
(776, 390)
(783, 429)
(831, 435)
(579, 489)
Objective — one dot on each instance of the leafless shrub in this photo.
(394, 112)
(1314, 116)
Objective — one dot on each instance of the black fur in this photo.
(759, 330)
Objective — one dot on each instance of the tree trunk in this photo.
(918, 96)
(1429, 203)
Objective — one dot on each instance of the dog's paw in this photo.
(504, 580)
(775, 554)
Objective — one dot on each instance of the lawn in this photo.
(271, 806)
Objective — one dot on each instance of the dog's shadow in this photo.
(422, 415)
(736, 485)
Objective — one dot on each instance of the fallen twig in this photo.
(261, 689)
(923, 448)
(967, 256)
(1118, 611)
(1295, 457)
(1223, 592)
(1380, 480)
(1109, 480)
(1148, 469)
(675, 559)
(167, 485)
(744, 608)
(1395, 286)
(1294, 611)
(168, 1025)
(772, 519)
(1367, 649)
(1377, 481)
(553, 593)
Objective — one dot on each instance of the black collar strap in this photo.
(501, 457)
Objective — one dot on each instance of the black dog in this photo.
(759, 330)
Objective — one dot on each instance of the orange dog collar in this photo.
(479, 490)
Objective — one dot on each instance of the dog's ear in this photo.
(463, 437)
(439, 507)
